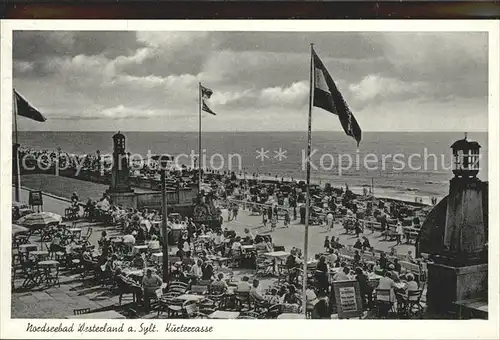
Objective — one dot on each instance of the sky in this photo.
(148, 81)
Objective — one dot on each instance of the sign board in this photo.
(348, 299)
(36, 198)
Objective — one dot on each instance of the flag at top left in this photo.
(23, 108)
(206, 93)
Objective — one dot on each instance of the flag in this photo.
(328, 97)
(23, 108)
(206, 93)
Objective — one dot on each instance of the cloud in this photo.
(149, 80)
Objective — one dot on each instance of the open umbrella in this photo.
(16, 229)
(39, 220)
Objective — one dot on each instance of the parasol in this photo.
(17, 229)
(39, 220)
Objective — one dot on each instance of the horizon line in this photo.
(263, 131)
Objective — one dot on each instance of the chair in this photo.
(249, 315)
(273, 311)
(81, 311)
(190, 310)
(204, 282)
(413, 301)
(242, 298)
(199, 289)
(264, 266)
(124, 288)
(207, 306)
(384, 303)
(87, 235)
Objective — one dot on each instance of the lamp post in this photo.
(163, 171)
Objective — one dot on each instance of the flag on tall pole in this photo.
(204, 94)
(328, 97)
(21, 107)
(323, 93)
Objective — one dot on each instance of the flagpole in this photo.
(16, 150)
(199, 138)
(308, 180)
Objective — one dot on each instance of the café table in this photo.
(291, 316)
(47, 275)
(140, 249)
(77, 232)
(157, 257)
(220, 314)
(190, 297)
(26, 248)
(110, 314)
(276, 255)
(40, 254)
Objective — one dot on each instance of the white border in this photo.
(265, 329)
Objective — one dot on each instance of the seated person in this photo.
(411, 284)
(290, 296)
(261, 245)
(129, 241)
(180, 253)
(150, 283)
(394, 273)
(409, 257)
(236, 246)
(311, 298)
(397, 266)
(56, 244)
(358, 244)
(386, 282)
(357, 257)
(128, 284)
(195, 272)
(256, 294)
(331, 259)
(154, 244)
(207, 270)
(138, 261)
(243, 286)
(321, 310)
(342, 275)
(220, 284)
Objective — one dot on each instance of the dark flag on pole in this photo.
(23, 108)
(328, 97)
(206, 93)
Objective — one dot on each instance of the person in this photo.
(411, 284)
(154, 244)
(138, 261)
(326, 244)
(311, 297)
(103, 239)
(409, 257)
(397, 266)
(220, 284)
(207, 271)
(129, 241)
(150, 283)
(322, 274)
(195, 272)
(261, 245)
(56, 244)
(293, 265)
(274, 222)
(387, 283)
(236, 246)
(249, 237)
(383, 261)
(321, 310)
(358, 244)
(364, 287)
(264, 218)
(235, 211)
(122, 280)
(180, 253)
(357, 257)
(287, 218)
(399, 232)
(332, 258)
(393, 252)
(290, 296)
(366, 243)
(243, 286)
(342, 275)
(74, 198)
(357, 227)
(329, 220)
(255, 293)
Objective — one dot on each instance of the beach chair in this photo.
(242, 298)
(413, 303)
(384, 302)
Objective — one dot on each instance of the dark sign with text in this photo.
(36, 198)
(348, 299)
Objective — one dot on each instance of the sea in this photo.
(400, 165)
